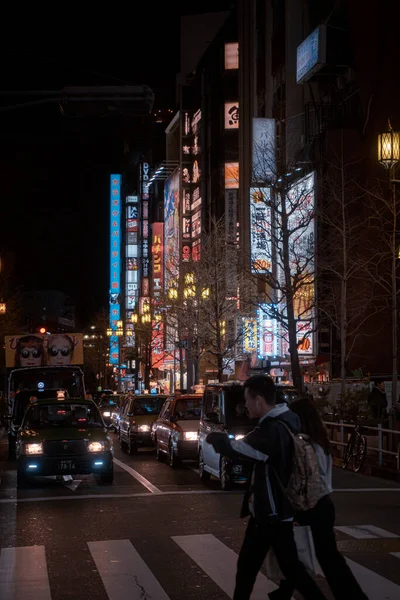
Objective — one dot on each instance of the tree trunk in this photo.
(291, 320)
(196, 364)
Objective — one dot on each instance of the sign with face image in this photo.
(36, 350)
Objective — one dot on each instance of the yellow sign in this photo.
(36, 350)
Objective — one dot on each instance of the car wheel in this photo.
(204, 475)
(159, 454)
(132, 448)
(173, 460)
(22, 480)
(224, 476)
(106, 478)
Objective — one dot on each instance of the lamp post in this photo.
(3, 308)
(388, 156)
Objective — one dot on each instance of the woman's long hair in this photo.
(311, 422)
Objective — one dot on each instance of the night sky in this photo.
(55, 170)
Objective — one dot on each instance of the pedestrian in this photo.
(377, 401)
(321, 518)
(270, 447)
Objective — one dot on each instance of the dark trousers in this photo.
(338, 574)
(257, 541)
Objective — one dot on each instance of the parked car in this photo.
(223, 410)
(176, 431)
(63, 437)
(138, 414)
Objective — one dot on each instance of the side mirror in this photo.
(213, 417)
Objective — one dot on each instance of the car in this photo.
(138, 414)
(107, 405)
(116, 413)
(175, 433)
(223, 410)
(63, 436)
(286, 393)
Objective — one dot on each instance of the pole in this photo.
(394, 293)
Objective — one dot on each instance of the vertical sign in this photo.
(115, 263)
(157, 250)
(260, 230)
(144, 178)
(131, 264)
(267, 334)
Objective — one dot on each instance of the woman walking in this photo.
(321, 518)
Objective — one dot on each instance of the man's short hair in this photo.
(262, 385)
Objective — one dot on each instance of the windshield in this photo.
(188, 409)
(150, 405)
(23, 399)
(49, 379)
(286, 395)
(45, 416)
(235, 409)
(108, 402)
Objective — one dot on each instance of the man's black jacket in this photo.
(270, 447)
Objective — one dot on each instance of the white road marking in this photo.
(72, 484)
(375, 586)
(23, 574)
(124, 573)
(147, 484)
(363, 490)
(366, 532)
(219, 563)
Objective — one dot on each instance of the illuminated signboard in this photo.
(115, 263)
(311, 54)
(264, 141)
(157, 251)
(196, 224)
(260, 230)
(171, 226)
(267, 333)
(232, 175)
(249, 334)
(232, 55)
(231, 115)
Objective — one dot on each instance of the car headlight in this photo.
(107, 413)
(96, 446)
(190, 436)
(144, 428)
(239, 436)
(33, 448)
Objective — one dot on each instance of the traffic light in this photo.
(42, 330)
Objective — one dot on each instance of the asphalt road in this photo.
(159, 533)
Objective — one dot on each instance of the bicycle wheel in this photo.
(348, 453)
(360, 454)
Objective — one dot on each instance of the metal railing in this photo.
(381, 433)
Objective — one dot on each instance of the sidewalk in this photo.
(369, 468)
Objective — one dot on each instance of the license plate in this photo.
(66, 465)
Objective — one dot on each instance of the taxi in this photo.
(138, 414)
(176, 431)
(64, 436)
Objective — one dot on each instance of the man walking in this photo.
(270, 447)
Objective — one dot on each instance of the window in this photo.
(232, 176)
(232, 55)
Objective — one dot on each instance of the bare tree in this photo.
(347, 295)
(282, 251)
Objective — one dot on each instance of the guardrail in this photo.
(381, 434)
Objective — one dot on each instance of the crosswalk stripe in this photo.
(219, 563)
(375, 586)
(124, 573)
(366, 532)
(23, 574)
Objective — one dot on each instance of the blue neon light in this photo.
(115, 263)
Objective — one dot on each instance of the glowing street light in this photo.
(3, 308)
(389, 148)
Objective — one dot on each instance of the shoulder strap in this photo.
(286, 426)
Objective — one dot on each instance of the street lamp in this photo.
(134, 318)
(3, 308)
(109, 332)
(389, 156)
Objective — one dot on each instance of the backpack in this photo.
(304, 487)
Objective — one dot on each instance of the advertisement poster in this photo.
(260, 230)
(36, 350)
(171, 226)
(267, 334)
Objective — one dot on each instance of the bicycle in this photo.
(356, 449)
